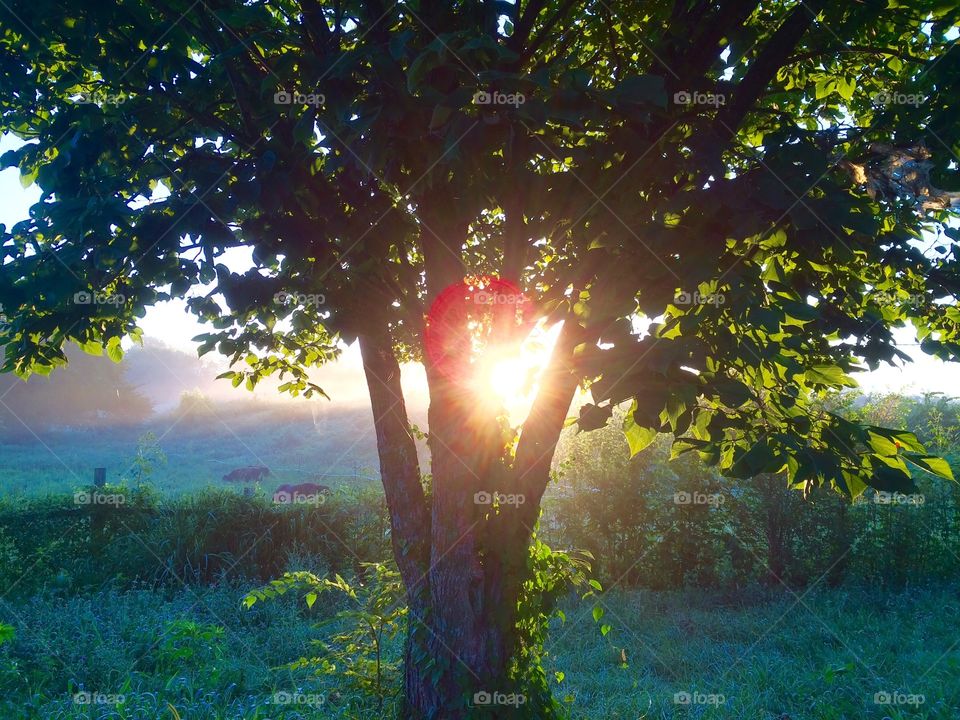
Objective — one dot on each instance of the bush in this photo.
(200, 538)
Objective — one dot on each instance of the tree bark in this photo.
(409, 520)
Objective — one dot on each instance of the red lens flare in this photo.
(470, 316)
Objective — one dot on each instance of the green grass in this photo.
(822, 656)
(771, 655)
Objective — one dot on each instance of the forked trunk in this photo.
(462, 557)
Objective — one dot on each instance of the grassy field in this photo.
(199, 446)
(134, 612)
(827, 655)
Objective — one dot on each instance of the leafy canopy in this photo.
(768, 184)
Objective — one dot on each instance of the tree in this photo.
(760, 180)
(90, 392)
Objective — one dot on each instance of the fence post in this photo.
(99, 477)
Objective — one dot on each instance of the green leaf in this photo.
(732, 393)
(931, 463)
(93, 347)
(846, 87)
(28, 178)
(831, 375)
(114, 349)
(889, 479)
(881, 445)
(638, 437)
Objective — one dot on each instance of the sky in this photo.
(171, 324)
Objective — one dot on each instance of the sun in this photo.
(508, 379)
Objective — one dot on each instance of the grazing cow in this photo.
(254, 473)
(302, 493)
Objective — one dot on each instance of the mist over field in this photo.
(92, 413)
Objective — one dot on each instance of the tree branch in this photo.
(541, 431)
(399, 468)
(769, 60)
(523, 27)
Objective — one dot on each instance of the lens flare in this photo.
(507, 379)
(482, 333)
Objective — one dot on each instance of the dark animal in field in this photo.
(304, 492)
(254, 473)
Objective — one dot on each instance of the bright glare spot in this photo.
(508, 376)
(508, 379)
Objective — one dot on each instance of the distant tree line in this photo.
(655, 522)
(89, 390)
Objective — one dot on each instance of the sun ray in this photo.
(507, 379)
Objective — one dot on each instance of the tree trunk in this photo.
(463, 562)
(462, 586)
(409, 520)
(775, 505)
